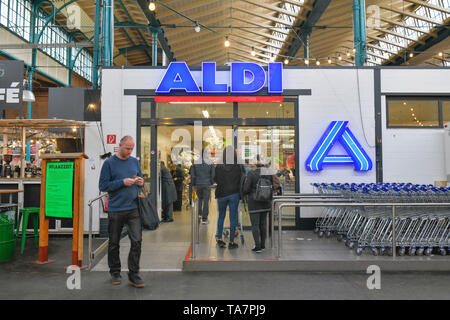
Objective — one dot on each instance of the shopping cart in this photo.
(419, 230)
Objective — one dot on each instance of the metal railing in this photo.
(91, 255)
(297, 197)
(302, 203)
(195, 237)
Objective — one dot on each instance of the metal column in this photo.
(155, 32)
(95, 62)
(107, 33)
(306, 45)
(359, 27)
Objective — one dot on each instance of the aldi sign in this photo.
(245, 77)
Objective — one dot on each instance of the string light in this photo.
(197, 27)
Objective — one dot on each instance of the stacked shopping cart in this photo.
(418, 230)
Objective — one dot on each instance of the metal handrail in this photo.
(394, 205)
(296, 197)
(91, 254)
(194, 227)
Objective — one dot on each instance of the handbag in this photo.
(147, 211)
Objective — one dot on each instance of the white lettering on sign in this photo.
(10, 95)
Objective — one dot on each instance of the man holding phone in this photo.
(120, 177)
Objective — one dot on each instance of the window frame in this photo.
(439, 99)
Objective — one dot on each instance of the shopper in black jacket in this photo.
(258, 209)
(178, 178)
(228, 178)
(168, 194)
(202, 177)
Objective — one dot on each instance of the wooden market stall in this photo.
(23, 142)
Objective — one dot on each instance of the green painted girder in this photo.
(319, 8)
(155, 23)
(134, 48)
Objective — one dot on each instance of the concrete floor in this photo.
(163, 253)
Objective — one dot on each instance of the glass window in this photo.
(266, 110)
(446, 111)
(145, 109)
(194, 110)
(413, 113)
(145, 152)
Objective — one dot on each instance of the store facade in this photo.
(290, 118)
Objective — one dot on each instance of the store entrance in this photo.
(177, 147)
(176, 134)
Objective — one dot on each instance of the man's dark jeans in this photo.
(116, 221)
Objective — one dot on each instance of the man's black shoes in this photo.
(116, 278)
(135, 280)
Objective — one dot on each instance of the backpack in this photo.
(263, 189)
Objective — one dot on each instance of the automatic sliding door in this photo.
(274, 145)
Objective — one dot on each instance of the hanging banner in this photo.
(11, 79)
(59, 190)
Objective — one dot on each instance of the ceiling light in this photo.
(306, 62)
(205, 113)
(329, 60)
(197, 27)
(74, 129)
(253, 53)
(272, 59)
(227, 42)
(340, 58)
(286, 61)
(441, 54)
(354, 50)
(317, 62)
(348, 54)
(152, 6)
(411, 55)
(28, 96)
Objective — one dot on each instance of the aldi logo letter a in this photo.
(338, 131)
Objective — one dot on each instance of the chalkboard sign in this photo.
(59, 190)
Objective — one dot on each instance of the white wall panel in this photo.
(415, 80)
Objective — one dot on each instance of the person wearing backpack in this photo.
(228, 177)
(258, 191)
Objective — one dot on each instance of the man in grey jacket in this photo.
(202, 177)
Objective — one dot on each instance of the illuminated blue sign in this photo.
(245, 77)
(338, 131)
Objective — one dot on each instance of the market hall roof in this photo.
(399, 32)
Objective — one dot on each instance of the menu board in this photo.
(59, 190)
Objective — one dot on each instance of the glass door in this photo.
(275, 146)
